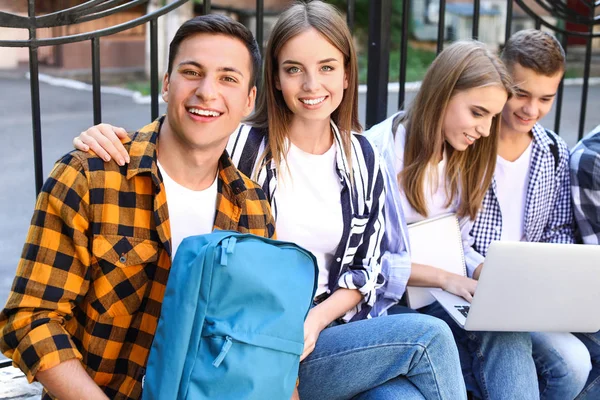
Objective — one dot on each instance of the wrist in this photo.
(318, 316)
(443, 277)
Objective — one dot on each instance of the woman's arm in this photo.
(320, 316)
(105, 141)
(428, 276)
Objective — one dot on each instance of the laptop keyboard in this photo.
(464, 310)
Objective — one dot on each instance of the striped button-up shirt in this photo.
(356, 263)
(93, 271)
(548, 210)
(585, 186)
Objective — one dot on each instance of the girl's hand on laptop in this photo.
(477, 271)
(459, 285)
(105, 141)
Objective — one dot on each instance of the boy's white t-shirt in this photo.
(434, 188)
(512, 181)
(191, 212)
(309, 209)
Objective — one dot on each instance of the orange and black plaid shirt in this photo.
(94, 269)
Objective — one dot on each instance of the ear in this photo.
(277, 83)
(165, 87)
(345, 80)
(250, 103)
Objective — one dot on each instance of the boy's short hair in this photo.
(218, 25)
(536, 50)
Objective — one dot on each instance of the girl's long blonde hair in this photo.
(461, 66)
(271, 111)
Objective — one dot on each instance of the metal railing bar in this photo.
(580, 20)
(70, 15)
(260, 16)
(586, 83)
(508, 26)
(115, 10)
(96, 81)
(403, 53)
(88, 35)
(559, 94)
(34, 84)
(379, 60)
(556, 29)
(564, 12)
(538, 24)
(8, 20)
(350, 14)
(441, 26)
(154, 68)
(476, 12)
(206, 7)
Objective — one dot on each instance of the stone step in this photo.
(14, 385)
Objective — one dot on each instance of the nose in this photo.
(530, 108)
(485, 127)
(206, 89)
(310, 83)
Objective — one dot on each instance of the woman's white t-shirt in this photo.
(434, 188)
(309, 209)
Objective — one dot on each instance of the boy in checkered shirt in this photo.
(530, 196)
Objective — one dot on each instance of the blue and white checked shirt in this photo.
(548, 210)
(356, 264)
(585, 186)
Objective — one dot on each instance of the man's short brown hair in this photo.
(536, 50)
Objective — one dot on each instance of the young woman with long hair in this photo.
(442, 153)
(327, 194)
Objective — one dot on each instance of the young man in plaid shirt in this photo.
(585, 192)
(85, 303)
(530, 198)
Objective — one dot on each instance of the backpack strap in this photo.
(553, 148)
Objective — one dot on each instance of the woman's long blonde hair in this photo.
(271, 111)
(461, 66)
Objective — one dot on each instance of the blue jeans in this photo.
(407, 356)
(591, 390)
(495, 365)
(563, 364)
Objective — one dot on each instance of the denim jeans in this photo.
(408, 356)
(563, 364)
(591, 390)
(495, 365)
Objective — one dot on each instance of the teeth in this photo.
(471, 138)
(204, 113)
(312, 102)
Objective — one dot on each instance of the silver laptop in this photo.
(527, 287)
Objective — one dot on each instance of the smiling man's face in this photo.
(535, 94)
(208, 90)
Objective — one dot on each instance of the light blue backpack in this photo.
(232, 320)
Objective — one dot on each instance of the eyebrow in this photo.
(482, 109)
(529, 93)
(319, 62)
(220, 69)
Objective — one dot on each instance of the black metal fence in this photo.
(564, 12)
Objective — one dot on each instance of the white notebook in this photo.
(437, 242)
